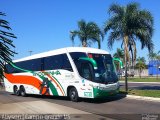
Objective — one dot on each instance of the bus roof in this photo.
(63, 50)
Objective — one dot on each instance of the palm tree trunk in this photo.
(140, 72)
(126, 60)
(84, 43)
(135, 54)
(99, 45)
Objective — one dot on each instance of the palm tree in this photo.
(87, 32)
(128, 24)
(119, 54)
(140, 64)
(5, 44)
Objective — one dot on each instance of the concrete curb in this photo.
(143, 98)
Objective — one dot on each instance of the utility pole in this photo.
(30, 52)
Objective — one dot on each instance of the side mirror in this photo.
(92, 61)
(120, 62)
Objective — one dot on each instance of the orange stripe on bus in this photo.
(20, 79)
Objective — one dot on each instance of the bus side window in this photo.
(9, 68)
(86, 71)
(53, 62)
(66, 63)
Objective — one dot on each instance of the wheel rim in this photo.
(15, 90)
(22, 91)
(73, 95)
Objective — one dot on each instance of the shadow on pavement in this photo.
(48, 97)
(88, 100)
(119, 96)
(106, 99)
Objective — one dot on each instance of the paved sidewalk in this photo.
(35, 108)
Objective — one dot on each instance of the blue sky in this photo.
(42, 25)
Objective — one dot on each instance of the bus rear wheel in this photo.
(22, 91)
(73, 94)
(16, 91)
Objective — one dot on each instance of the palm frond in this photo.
(5, 44)
(115, 9)
(87, 32)
(112, 37)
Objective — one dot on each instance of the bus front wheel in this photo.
(73, 94)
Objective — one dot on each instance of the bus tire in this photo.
(73, 94)
(22, 91)
(16, 91)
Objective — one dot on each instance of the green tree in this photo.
(87, 32)
(119, 54)
(141, 64)
(5, 43)
(152, 56)
(128, 24)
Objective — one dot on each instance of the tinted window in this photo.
(86, 71)
(9, 69)
(57, 62)
(66, 63)
(105, 72)
(47, 63)
(77, 55)
(53, 62)
(32, 65)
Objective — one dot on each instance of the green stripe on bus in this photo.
(51, 86)
(53, 89)
(59, 84)
(24, 70)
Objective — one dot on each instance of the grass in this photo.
(144, 79)
(146, 93)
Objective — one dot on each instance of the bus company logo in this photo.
(46, 73)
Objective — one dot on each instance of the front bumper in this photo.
(100, 92)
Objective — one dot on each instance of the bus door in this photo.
(86, 71)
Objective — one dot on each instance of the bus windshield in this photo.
(105, 72)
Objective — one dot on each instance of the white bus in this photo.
(76, 72)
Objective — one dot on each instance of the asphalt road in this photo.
(142, 86)
(117, 107)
